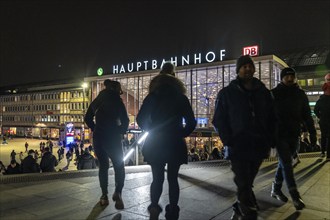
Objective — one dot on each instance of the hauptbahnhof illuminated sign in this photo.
(196, 58)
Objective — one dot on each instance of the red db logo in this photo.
(252, 51)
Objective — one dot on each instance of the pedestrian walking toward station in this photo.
(29, 163)
(322, 111)
(111, 122)
(161, 115)
(292, 109)
(245, 120)
(48, 161)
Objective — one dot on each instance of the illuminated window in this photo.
(302, 82)
(310, 82)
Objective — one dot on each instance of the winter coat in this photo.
(13, 170)
(292, 109)
(29, 165)
(86, 161)
(322, 110)
(245, 119)
(162, 114)
(48, 162)
(110, 116)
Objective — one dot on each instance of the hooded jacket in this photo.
(30, 165)
(162, 114)
(110, 114)
(292, 109)
(48, 162)
(86, 161)
(245, 119)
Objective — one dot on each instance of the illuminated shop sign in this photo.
(251, 50)
(196, 58)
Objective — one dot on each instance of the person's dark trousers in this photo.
(156, 187)
(325, 139)
(286, 147)
(245, 171)
(113, 150)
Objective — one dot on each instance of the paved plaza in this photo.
(206, 192)
(18, 144)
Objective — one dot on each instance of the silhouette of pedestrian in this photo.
(322, 111)
(161, 114)
(111, 122)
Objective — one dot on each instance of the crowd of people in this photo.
(34, 162)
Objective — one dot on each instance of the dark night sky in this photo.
(49, 40)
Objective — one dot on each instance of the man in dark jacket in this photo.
(322, 111)
(245, 120)
(161, 115)
(48, 161)
(29, 163)
(111, 123)
(292, 109)
(86, 161)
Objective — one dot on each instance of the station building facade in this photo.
(202, 81)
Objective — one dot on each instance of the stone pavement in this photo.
(207, 192)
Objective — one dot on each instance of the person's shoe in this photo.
(172, 212)
(104, 200)
(322, 154)
(296, 199)
(116, 197)
(295, 162)
(154, 211)
(237, 215)
(277, 192)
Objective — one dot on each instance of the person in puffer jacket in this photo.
(162, 114)
(86, 161)
(111, 122)
(48, 161)
(245, 119)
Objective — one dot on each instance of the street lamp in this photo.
(84, 86)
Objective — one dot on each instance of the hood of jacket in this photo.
(165, 83)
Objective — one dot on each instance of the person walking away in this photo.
(86, 161)
(322, 111)
(26, 146)
(245, 119)
(111, 122)
(29, 163)
(48, 161)
(13, 155)
(292, 109)
(161, 115)
(13, 168)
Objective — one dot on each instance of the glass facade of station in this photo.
(202, 81)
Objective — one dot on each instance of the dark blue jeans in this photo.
(286, 147)
(156, 187)
(245, 170)
(105, 149)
